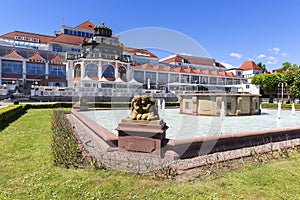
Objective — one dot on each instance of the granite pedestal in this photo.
(142, 136)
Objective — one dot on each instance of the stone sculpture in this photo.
(143, 108)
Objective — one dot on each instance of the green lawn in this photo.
(27, 172)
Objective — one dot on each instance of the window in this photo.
(56, 70)
(91, 70)
(12, 67)
(77, 71)
(139, 76)
(228, 107)
(57, 48)
(163, 77)
(174, 78)
(35, 69)
(58, 84)
(108, 71)
(187, 105)
(151, 76)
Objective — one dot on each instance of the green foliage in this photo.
(65, 144)
(293, 81)
(11, 112)
(288, 65)
(172, 104)
(50, 105)
(262, 66)
(275, 106)
(268, 82)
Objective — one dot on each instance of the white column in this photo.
(24, 70)
(0, 71)
(129, 73)
(116, 71)
(156, 79)
(47, 69)
(82, 67)
(145, 81)
(100, 70)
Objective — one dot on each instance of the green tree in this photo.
(262, 66)
(293, 81)
(287, 65)
(267, 82)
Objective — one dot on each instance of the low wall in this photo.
(188, 148)
(195, 148)
(211, 104)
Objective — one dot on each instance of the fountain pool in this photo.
(183, 126)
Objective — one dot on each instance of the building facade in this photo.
(90, 52)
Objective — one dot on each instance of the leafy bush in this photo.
(171, 104)
(11, 112)
(65, 144)
(275, 106)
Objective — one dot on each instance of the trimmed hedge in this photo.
(11, 112)
(275, 106)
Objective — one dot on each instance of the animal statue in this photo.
(143, 108)
(149, 108)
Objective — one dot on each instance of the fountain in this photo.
(163, 105)
(279, 110)
(158, 103)
(188, 133)
(293, 109)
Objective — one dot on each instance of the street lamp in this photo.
(34, 87)
(281, 85)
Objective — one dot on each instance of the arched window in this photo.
(122, 72)
(91, 70)
(77, 71)
(108, 71)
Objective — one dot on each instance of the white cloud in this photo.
(236, 55)
(284, 55)
(261, 56)
(272, 60)
(274, 50)
(228, 66)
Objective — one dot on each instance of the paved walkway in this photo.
(4, 104)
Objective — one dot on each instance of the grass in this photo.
(28, 172)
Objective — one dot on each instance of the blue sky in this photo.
(231, 31)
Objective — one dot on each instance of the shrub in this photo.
(11, 112)
(65, 144)
(275, 106)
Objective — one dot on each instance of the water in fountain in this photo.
(163, 105)
(279, 110)
(293, 109)
(158, 103)
(222, 111)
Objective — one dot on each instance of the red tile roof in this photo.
(222, 73)
(249, 65)
(36, 56)
(189, 59)
(172, 59)
(168, 69)
(178, 69)
(138, 52)
(87, 25)
(157, 67)
(42, 38)
(13, 54)
(57, 58)
(230, 74)
(68, 39)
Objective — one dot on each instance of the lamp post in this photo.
(34, 87)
